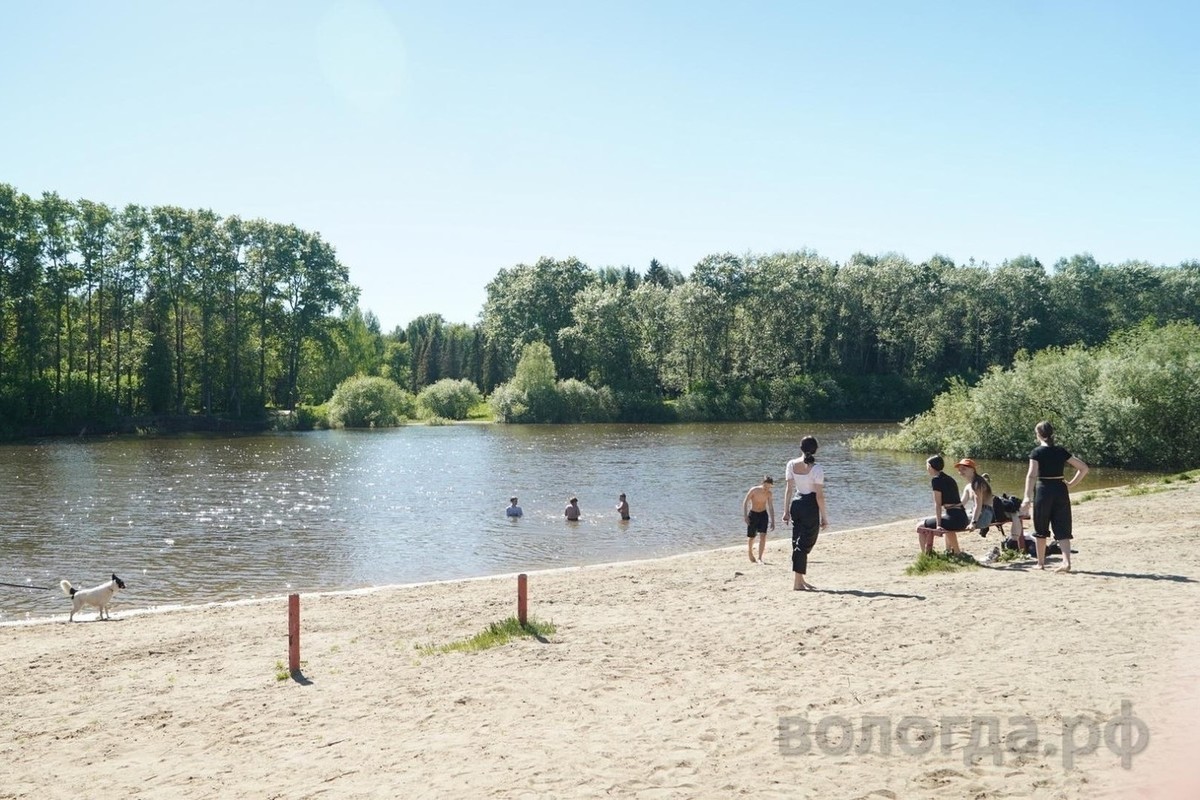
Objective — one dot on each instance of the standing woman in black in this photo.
(1050, 497)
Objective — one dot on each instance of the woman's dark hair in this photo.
(1045, 432)
(981, 479)
(937, 462)
(808, 446)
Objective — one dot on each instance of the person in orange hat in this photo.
(978, 492)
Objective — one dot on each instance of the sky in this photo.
(435, 143)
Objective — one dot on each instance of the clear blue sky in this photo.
(434, 143)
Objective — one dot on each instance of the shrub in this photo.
(643, 407)
(307, 418)
(578, 402)
(1130, 403)
(370, 402)
(509, 404)
(449, 398)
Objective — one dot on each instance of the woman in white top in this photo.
(804, 504)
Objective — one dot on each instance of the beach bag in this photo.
(1002, 508)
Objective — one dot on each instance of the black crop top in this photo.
(945, 484)
(1051, 459)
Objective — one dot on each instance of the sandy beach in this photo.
(694, 676)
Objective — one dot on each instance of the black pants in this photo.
(806, 524)
(953, 519)
(1051, 510)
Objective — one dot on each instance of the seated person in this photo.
(978, 493)
(949, 516)
(987, 506)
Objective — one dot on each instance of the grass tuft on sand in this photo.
(928, 563)
(496, 634)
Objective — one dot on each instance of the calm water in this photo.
(186, 520)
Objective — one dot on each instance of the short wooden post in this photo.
(294, 633)
(522, 597)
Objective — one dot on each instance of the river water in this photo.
(198, 519)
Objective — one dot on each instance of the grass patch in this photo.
(496, 634)
(1085, 498)
(481, 412)
(928, 563)
(281, 671)
(1144, 488)
(1007, 555)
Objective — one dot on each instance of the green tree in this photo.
(605, 336)
(93, 240)
(533, 303)
(530, 396)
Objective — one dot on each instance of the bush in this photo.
(449, 398)
(578, 402)
(643, 407)
(509, 404)
(1130, 403)
(706, 402)
(370, 402)
(304, 418)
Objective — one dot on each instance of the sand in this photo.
(665, 678)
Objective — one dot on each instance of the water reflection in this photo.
(197, 519)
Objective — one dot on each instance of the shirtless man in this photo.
(623, 507)
(758, 510)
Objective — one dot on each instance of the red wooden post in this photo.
(522, 599)
(294, 633)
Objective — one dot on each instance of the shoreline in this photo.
(678, 676)
(368, 590)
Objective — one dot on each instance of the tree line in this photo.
(796, 335)
(110, 312)
(114, 313)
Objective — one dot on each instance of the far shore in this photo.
(695, 675)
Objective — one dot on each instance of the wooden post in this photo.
(294, 633)
(522, 599)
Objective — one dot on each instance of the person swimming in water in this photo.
(571, 512)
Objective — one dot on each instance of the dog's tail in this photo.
(67, 588)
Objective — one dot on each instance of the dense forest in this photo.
(110, 314)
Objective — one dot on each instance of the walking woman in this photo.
(1050, 497)
(804, 506)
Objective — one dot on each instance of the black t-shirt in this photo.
(1051, 459)
(945, 484)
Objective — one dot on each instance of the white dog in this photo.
(99, 596)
